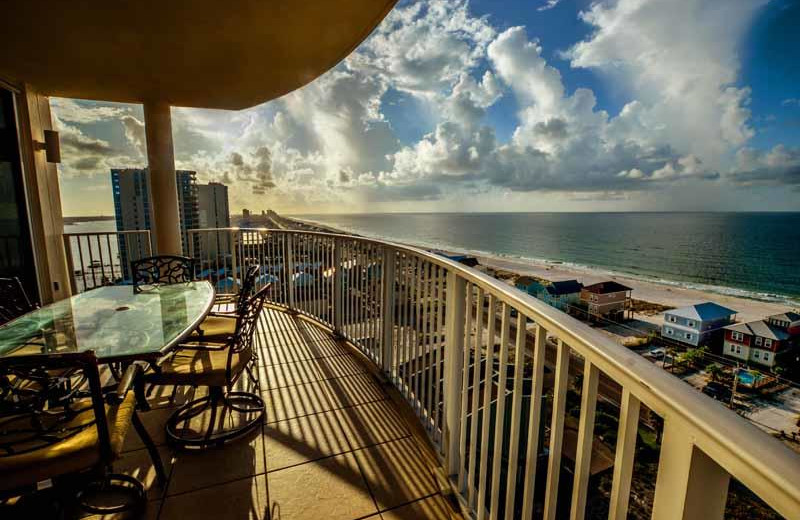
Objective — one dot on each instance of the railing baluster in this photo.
(491, 320)
(625, 452)
(467, 362)
(418, 368)
(387, 309)
(476, 391)
(556, 429)
(501, 409)
(516, 413)
(535, 416)
(583, 457)
(453, 371)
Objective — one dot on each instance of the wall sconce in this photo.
(51, 146)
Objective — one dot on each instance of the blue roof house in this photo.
(564, 295)
(529, 285)
(698, 324)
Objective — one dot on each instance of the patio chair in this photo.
(161, 270)
(220, 325)
(220, 367)
(14, 302)
(52, 432)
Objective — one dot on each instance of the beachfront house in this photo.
(607, 300)
(564, 295)
(763, 342)
(698, 324)
(530, 285)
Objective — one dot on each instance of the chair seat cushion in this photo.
(70, 455)
(217, 328)
(198, 367)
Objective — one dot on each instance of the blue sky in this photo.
(535, 105)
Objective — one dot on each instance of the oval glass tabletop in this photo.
(114, 322)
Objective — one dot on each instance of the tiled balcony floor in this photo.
(335, 443)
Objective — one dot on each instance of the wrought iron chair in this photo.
(13, 300)
(220, 325)
(52, 431)
(161, 270)
(220, 367)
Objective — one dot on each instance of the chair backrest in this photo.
(162, 270)
(248, 286)
(241, 343)
(40, 396)
(13, 300)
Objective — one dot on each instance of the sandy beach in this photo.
(672, 296)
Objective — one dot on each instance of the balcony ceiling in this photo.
(202, 53)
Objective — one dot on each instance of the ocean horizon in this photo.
(749, 255)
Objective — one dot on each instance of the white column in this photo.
(163, 185)
(455, 312)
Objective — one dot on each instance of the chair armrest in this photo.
(223, 314)
(203, 346)
(132, 373)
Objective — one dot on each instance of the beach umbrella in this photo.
(266, 278)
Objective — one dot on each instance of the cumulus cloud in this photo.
(675, 61)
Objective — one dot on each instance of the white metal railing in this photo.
(473, 357)
(103, 258)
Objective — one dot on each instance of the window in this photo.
(766, 356)
(737, 336)
(672, 319)
(688, 336)
(733, 348)
(758, 340)
(755, 354)
(669, 331)
(767, 342)
(738, 349)
(690, 323)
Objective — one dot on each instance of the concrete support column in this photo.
(163, 184)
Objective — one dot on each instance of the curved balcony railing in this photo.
(486, 368)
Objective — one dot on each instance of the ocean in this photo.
(753, 255)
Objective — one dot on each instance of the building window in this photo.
(755, 354)
(767, 342)
(688, 336)
(766, 356)
(737, 336)
(672, 319)
(733, 348)
(758, 340)
(690, 323)
(738, 349)
(669, 331)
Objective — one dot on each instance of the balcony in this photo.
(380, 363)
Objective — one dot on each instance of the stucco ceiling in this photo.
(201, 53)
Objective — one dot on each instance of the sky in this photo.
(481, 105)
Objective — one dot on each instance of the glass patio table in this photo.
(114, 322)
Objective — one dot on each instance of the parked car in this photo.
(717, 391)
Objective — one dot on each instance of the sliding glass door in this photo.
(16, 251)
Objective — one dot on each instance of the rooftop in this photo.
(703, 311)
(760, 328)
(607, 287)
(564, 287)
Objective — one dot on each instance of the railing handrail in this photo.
(761, 463)
(93, 233)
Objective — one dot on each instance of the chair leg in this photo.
(152, 450)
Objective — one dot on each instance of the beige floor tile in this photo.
(296, 401)
(372, 423)
(195, 470)
(139, 465)
(307, 438)
(396, 473)
(352, 390)
(432, 508)
(289, 374)
(240, 500)
(154, 422)
(330, 489)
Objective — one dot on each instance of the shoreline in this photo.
(654, 292)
